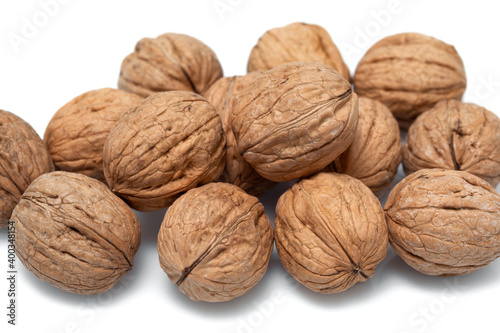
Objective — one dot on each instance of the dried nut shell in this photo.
(23, 157)
(76, 134)
(215, 242)
(169, 62)
(330, 232)
(73, 233)
(295, 120)
(171, 142)
(444, 222)
(237, 171)
(410, 73)
(455, 135)
(296, 42)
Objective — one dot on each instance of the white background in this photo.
(80, 48)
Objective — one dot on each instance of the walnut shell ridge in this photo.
(23, 157)
(215, 242)
(330, 232)
(458, 136)
(444, 222)
(169, 62)
(294, 120)
(73, 233)
(76, 134)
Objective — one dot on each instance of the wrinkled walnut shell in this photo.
(215, 242)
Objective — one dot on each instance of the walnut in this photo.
(330, 232)
(171, 142)
(73, 233)
(410, 73)
(169, 62)
(444, 222)
(455, 135)
(296, 42)
(237, 171)
(215, 242)
(294, 120)
(75, 136)
(23, 157)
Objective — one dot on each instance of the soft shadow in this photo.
(150, 225)
(270, 198)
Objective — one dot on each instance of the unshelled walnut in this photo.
(455, 135)
(330, 232)
(169, 62)
(294, 120)
(23, 157)
(171, 142)
(410, 73)
(76, 133)
(296, 42)
(73, 233)
(237, 171)
(215, 242)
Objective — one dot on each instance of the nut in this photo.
(215, 242)
(75, 136)
(330, 232)
(23, 157)
(169, 62)
(455, 135)
(444, 222)
(295, 120)
(171, 142)
(296, 42)
(237, 171)
(410, 73)
(73, 233)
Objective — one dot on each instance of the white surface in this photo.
(81, 48)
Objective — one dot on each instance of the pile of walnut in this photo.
(180, 134)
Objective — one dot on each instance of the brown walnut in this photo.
(455, 135)
(23, 157)
(73, 233)
(171, 142)
(169, 62)
(330, 232)
(76, 134)
(294, 120)
(444, 222)
(215, 242)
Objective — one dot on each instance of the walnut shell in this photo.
(171, 142)
(455, 135)
(444, 222)
(215, 242)
(76, 134)
(294, 120)
(410, 73)
(237, 171)
(23, 157)
(330, 232)
(169, 62)
(73, 233)
(296, 42)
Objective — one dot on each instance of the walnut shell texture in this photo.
(237, 171)
(330, 232)
(23, 157)
(458, 136)
(444, 222)
(294, 120)
(73, 233)
(410, 73)
(169, 62)
(76, 134)
(296, 42)
(171, 142)
(215, 242)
